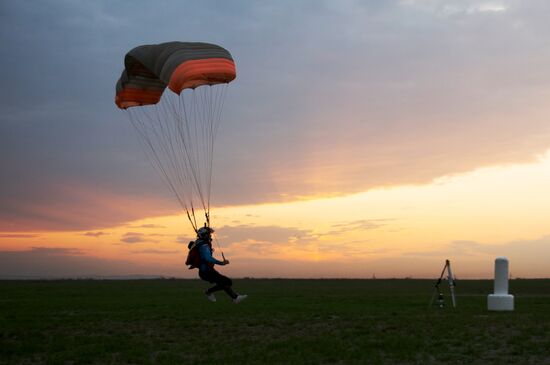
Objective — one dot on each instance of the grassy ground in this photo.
(282, 322)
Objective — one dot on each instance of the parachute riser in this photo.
(218, 244)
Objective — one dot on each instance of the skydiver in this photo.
(207, 271)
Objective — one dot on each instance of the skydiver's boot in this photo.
(240, 298)
(211, 297)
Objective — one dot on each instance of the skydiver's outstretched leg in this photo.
(227, 289)
(222, 283)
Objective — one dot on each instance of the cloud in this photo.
(351, 249)
(535, 247)
(53, 262)
(335, 268)
(17, 235)
(57, 251)
(383, 113)
(488, 7)
(277, 241)
(183, 239)
(133, 238)
(156, 252)
(454, 248)
(540, 246)
(70, 207)
(95, 234)
(149, 226)
(527, 257)
(358, 225)
(253, 241)
(261, 234)
(449, 8)
(136, 237)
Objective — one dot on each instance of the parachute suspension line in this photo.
(178, 136)
(166, 145)
(169, 122)
(216, 119)
(180, 155)
(201, 101)
(211, 123)
(140, 126)
(174, 142)
(180, 145)
(192, 151)
(193, 215)
(218, 244)
(206, 100)
(191, 221)
(148, 128)
(162, 120)
(205, 104)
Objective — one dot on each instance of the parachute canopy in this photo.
(178, 65)
(177, 127)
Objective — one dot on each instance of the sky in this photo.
(360, 139)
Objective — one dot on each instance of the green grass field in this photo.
(282, 322)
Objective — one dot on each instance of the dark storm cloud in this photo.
(360, 94)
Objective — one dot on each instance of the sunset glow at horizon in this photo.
(400, 231)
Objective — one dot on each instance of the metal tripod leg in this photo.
(451, 280)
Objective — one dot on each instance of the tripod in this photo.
(437, 290)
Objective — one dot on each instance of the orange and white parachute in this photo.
(178, 126)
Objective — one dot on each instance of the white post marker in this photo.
(501, 300)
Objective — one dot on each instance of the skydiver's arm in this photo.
(207, 256)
